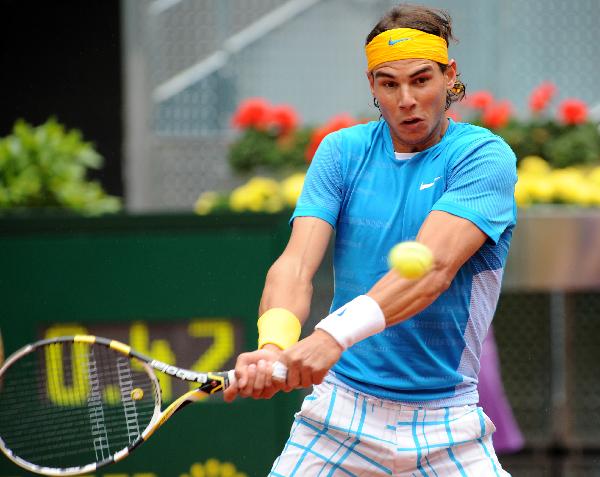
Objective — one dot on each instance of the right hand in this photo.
(309, 360)
(253, 375)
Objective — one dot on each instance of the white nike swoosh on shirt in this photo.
(429, 184)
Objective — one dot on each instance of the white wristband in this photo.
(354, 321)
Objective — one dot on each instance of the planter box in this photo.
(555, 248)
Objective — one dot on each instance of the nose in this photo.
(406, 99)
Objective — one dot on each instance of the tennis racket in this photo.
(73, 404)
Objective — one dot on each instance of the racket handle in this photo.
(279, 371)
(231, 377)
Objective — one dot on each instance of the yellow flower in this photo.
(541, 189)
(584, 195)
(596, 195)
(206, 202)
(264, 185)
(239, 199)
(213, 468)
(522, 196)
(256, 199)
(595, 175)
(568, 183)
(259, 194)
(273, 204)
(534, 165)
(292, 187)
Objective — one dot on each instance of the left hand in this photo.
(253, 375)
(309, 360)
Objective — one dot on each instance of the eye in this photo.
(422, 80)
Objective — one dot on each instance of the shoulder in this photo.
(470, 137)
(356, 137)
(471, 142)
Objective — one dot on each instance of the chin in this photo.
(415, 138)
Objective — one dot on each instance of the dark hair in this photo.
(430, 20)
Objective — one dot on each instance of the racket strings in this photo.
(69, 404)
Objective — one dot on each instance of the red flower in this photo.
(252, 113)
(334, 124)
(479, 99)
(572, 111)
(541, 96)
(497, 115)
(284, 118)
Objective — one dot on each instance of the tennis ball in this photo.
(137, 394)
(411, 260)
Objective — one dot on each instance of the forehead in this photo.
(405, 68)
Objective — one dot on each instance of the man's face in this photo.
(412, 99)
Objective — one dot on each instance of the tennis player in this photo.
(395, 364)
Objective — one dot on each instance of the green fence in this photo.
(180, 288)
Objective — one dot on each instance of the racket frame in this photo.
(210, 383)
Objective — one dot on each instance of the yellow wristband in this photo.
(278, 326)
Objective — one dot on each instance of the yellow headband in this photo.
(405, 43)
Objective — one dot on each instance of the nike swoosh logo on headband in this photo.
(393, 42)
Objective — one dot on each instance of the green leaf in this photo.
(46, 166)
(576, 145)
(89, 157)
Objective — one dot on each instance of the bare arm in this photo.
(288, 285)
(453, 240)
(289, 280)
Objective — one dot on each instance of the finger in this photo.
(272, 386)
(268, 374)
(240, 376)
(241, 372)
(293, 377)
(319, 377)
(259, 380)
(268, 393)
(246, 390)
(230, 393)
(241, 367)
(306, 377)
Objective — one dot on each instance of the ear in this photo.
(450, 74)
(371, 79)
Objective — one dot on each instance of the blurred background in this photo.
(151, 147)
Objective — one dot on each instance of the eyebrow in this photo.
(425, 69)
(383, 74)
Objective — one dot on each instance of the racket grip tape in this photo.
(279, 373)
(231, 378)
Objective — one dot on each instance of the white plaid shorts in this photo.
(342, 432)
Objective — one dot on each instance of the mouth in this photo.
(412, 121)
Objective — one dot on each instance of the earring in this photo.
(456, 89)
(375, 102)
